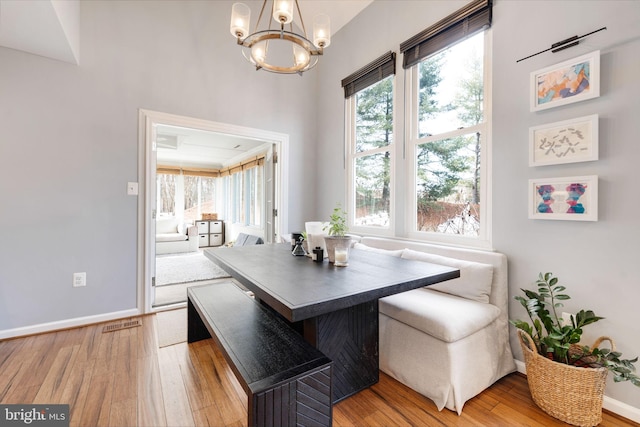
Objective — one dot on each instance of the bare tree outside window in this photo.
(166, 197)
(199, 196)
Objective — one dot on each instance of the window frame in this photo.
(253, 179)
(352, 155)
(412, 141)
(200, 194)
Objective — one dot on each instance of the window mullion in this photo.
(373, 151)
(452, 134)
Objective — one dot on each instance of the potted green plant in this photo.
(566, 379)
(336, 229)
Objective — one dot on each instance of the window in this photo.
(372, 157)
(253, 179)
(236, 193)
(439, 170)
(184, 195)
(370, 110)
(166, 194)
(199, 196)
(446, 147)
(447, 124)
(244, 190)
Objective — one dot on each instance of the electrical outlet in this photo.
(566, 319)
(79, 279)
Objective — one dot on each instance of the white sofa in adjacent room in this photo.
(174, 236)
(448, 341)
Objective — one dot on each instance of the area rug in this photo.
(186, 268)
(172, 294)
(171, 327)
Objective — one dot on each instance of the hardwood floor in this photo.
(122, 378)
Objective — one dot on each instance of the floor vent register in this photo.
(122, 325)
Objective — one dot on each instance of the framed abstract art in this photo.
(568, 141)
(570, 198)
(575, 80)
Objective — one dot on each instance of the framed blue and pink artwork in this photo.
(575, 80)
(571, 198)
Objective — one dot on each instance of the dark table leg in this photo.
(349, 337)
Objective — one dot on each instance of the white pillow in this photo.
(378, 250)
(475, 278)
(167, 225)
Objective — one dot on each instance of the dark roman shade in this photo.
(370, 74)
(472, 18)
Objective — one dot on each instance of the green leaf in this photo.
(550, 337)
(531, 294)
(586, 317)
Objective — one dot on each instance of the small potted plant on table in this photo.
(336, 230)
(566, 379)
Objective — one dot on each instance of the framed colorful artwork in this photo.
(575, 80)
(568, 141)
(571, 198)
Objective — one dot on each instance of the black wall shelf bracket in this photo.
(564, 44)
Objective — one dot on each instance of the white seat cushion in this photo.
(171, 237)
(475, 278)
(446, 317)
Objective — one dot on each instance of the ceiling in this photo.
(193, 148)
(340, 11)
(58, 23)
(57, 37)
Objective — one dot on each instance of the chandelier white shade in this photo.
(321, 30)
(283, 11)
(240, 19)
(278, 50)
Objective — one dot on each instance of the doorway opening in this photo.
(201, 184)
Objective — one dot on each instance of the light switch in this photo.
(132, 188)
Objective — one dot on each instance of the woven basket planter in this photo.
(569, 393)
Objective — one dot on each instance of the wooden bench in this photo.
(287, 380)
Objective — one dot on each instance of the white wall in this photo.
(595, 260)
(70, 144)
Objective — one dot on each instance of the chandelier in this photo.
(275, 49)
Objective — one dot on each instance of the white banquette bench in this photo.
(449, 341)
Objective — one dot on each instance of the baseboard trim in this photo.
(66, 324)
(612, 405)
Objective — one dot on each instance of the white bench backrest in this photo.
(499, 286)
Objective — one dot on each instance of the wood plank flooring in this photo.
(122, 378)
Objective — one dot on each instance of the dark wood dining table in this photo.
(334, 308)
